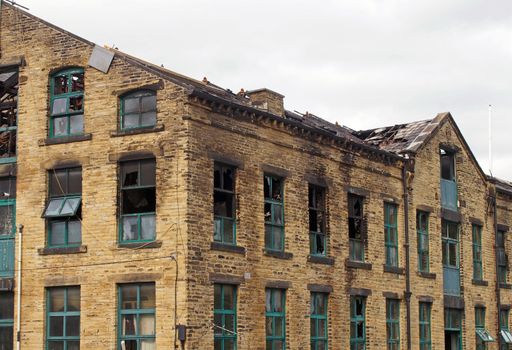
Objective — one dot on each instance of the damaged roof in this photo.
(401, 138)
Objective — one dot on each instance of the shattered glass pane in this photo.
(6, 220)
(58, 231)
(320, 244)
(276, 189)
(60, 126)
(266, 184)
(76, 103)
(70, 206)
(60, 84)
(76, 124)
(148, 119)
(147, 227)
(227, 178)
(217, 230)
(131, 105)
(267, 212)
(129, 324)
(139, 201)
(217, 176)
(278, 214)
(130, 173)
(148, 104)
(53, 207)
(77, 82)
(130, 228)
(223, 204)
(130, 120)
(59, 106)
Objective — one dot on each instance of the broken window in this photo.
(224, 204)
(64, 209)
(447, 164)
(502, 258)
(8, 114)
(7, 207)
(317, 224)
(274, 212)
(138, 109)
(391, 234)
(423, 241)
(138, 200)
(356, 227)
(67, 103)
(319, 328)
(357, 322)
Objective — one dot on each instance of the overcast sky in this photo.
(364, 63)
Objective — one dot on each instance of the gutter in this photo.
(407, 293)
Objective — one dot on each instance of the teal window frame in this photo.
(356, 227)
(68, 341)
(139, 95)
(68, 96)
(482, 335)
(391, 234)
(317, 220)
(124, 189)
(422, 228)
(274, 212)
(425, 310)
(223, 336)
(275, 319)
(224, 196)
(357, 323)
(502, 258)
(7, 225)
(478, 273)
(505, 334)
(393, 324)
(136, 312)
(450, 243)
(7, 319)
(66, 196)
(319, 317)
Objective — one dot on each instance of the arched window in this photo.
(138, 109)
(67, 103)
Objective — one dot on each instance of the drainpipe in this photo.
(407, 293)
(495, 227)
(18, 309)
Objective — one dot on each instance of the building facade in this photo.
(142, 209)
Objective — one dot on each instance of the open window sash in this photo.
(506, 335)
(484, 334)
(62, 207)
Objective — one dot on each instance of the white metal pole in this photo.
(18, 279)
(490, 140)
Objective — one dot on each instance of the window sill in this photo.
(317, 259)
(480, 283)
(65, 139)
(394, 269)
(136, 131)
(278, 254)
(62, 250)
(505, 285)
(428, 275)
(223, 247)
(357, 265)
(139, 245)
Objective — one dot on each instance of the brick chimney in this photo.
(267, 100)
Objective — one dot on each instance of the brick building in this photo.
(151, 209)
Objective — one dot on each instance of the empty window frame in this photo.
(425, 326)
(224, 207)
(391, 234)
(447, 164)
(8, 114)
(136, 316)
(67, 103)
(317, 220)
(357, 323)
(224, 317)
(63, 212)
(477, 252)
(450, 239)
(138, 200)
(422, 219)
(138, 109)
(6, 320)
(274, 212)
(318, 322)
(63, 318)
(502, 258)
(393, 324)
(275, 319)
(356, 229)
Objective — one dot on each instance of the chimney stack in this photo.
(267, 100)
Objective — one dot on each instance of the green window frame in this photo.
(393, 324)
(425, 326)
(319, 321)
(7, 225)
(450, 243)
(317, 220)
(224, 204)
(6, 320)
(274, 212)
(136, 316)
(477, 252)
(9, 115)
(422, 225)
(356, 227)
(63, 212)
(357, 323)
(482, 335)
(138, 109)
(275, 319)
(391, 234)
(502, 258)
(506, 336)
(137, 201)
(225, 317)
(67, 103)
(63, 318)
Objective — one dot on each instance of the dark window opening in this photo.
(317, 220)
(274, 212)
(356, 231)
(224, 204)
(8, 113)
(67, 103)
(447, 165)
